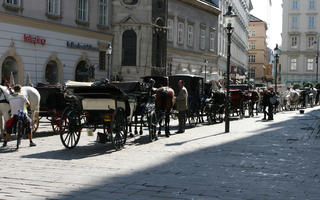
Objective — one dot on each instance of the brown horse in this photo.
(164, 103)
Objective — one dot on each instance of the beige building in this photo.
(54, 40)
(258, 56)
(300, 35)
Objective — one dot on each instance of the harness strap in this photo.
(4, 101)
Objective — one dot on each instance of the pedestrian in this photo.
(265, 102)
(17, 102)
(182, 106)
(272, 101)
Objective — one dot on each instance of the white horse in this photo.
(31, 94)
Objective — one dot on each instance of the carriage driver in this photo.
(18, 102)
(182, 106)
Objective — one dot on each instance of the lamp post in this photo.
(109, 52)
(317, 60)
(276, 52)
(229, 20)
(205, 70)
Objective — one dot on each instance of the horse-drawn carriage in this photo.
(52, 105)
(94, 105)
(194, 85)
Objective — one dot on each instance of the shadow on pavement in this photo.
(264, 166)
(78, 152)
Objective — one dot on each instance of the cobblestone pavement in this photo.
(257, 160)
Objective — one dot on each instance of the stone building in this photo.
(192, 38)
(54, 40)
(300, 37)
(139, 45)
(258, 52)
(239, 43)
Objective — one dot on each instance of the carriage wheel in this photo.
(55, 123)
(118, 130)
(152, 126)
(70, 128)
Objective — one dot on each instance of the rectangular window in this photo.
(180, 32)
(294, 22)
(293, 64)
(202, 38)
(190, 35)
(252, 45)
(311, 4)
(294, 4)
(15, 3)
(83, 10)
(103, 12)
(170, 30)
(294, 42)
(310, 64)
(311, 41)
(252, 58)
(54, 7)
(102, 60)
(253, 33)
(311, 21)
(212, 41)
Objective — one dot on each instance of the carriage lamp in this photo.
(276, 53)
(109, 52)
(229, 23)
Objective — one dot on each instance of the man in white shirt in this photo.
(18, 102)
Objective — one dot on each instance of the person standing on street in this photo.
(265, 102)
(182, 106)
(18, 102)
(271, 94)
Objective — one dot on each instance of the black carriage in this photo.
(160, 81)
(95, 106)
(52, 105)
(141, 106)
(194, 85)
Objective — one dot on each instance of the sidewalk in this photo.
(256, 160)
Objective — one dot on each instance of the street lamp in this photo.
(109, 52)
(317, 60)
(205, 70)
(229, 22)
(276, 52)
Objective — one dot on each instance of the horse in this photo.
(31, 94)
(254, 101)
(164, 101)
(293, 99)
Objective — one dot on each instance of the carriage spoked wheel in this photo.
(152, 126)
(118, 129)
(55, 123)
(70, 128)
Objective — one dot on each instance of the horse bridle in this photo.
(5, 99)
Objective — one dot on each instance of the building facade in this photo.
(139, 45)
(300, 39)
(239, 43)
(54, 40)
(192, 38)
(258, 52)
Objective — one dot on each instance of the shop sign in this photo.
(78, 45)
(34, 39)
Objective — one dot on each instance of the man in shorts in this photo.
(18, 102)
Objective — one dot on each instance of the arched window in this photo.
(9, 65)
(82, 72)
(129, 48)
(52, 73)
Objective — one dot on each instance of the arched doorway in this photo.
(9, 65)
(52, 73)
(82, 72)
(129, 48)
